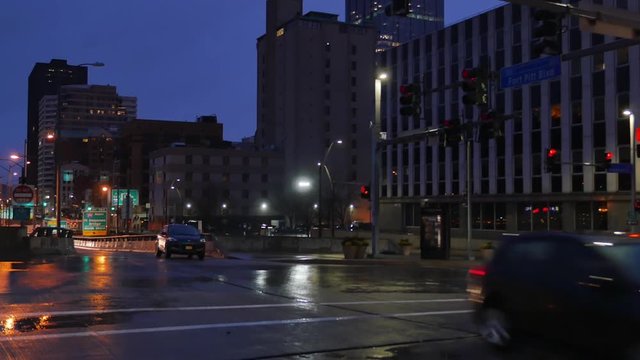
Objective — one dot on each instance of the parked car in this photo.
(579, 289)
(180, 239)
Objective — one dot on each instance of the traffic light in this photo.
(490, 125)
(547, 34)
(603, 160)
(451, 134)
(552, 162)
(364, 192)
(398, 8)
(410, 100)
(608, 158)
(475, 86)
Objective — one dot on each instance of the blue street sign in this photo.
(620, 168)
(533, 71)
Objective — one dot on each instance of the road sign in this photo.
(620, 168)
(119, 196)
(94, 222)
(21, 213)
(23, 194)
(533, 71)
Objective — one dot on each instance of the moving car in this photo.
(579, 289)
(180, 239)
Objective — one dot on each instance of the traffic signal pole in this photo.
(374, 192)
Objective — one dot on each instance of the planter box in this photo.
(349, 251)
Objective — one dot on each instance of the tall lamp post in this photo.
(166, 197)
(375, 133)
(323, 165)
(632, 219)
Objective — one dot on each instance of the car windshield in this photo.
(626, 256)
(183, 230)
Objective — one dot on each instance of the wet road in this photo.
(103, 305)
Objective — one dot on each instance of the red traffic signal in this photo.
(410, 100)
(608, 156)
(551, 163)
(364, 192)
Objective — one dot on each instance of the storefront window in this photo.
(524, 217)
(600, 215)
(487, 216)
(501, 216)
(583, 216)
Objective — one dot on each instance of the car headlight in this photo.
(202, 239)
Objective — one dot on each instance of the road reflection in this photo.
(13, 325)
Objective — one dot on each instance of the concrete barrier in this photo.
(51, 246)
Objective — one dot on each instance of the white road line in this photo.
(230, 307)
(227, 325)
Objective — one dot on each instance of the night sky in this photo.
(180, 58)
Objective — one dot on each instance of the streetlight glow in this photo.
(263, 206)
(224, 206)
(382, 76)
(188, 205)
(104, 189)
(627, 112)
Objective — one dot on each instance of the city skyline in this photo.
(154, 54)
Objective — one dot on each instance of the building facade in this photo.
(142, 136)
(315, 87)
(579, 113)
(426, 17)
(215, 184)
(46, 79)
(85, 121)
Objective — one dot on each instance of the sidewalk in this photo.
(380, 259)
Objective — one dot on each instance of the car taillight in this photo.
(478, 271)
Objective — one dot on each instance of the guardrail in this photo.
(117, 242)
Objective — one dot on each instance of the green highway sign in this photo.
(94, 222)
(119, 197)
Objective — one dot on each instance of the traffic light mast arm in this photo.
(594, 18)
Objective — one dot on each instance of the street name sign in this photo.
(544, 68)
(620, 168)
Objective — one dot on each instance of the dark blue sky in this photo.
(180, 58)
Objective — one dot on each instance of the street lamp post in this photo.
(323, 165)
(166, 197)
(632, 219)
(374, 196)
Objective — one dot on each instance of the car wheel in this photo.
(167, 254)
(158, 253)
(201, 256)
(495, 328)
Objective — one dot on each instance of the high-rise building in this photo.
(315, 86)
(85, 121)
(425, 17)
(46, 79)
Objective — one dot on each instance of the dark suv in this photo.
(180, 239)
(580, 289)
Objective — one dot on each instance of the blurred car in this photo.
(180, 239)
(579, 289)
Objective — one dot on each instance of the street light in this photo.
(373, 192)
(166, 197)
(632, 219)
(322, 165)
